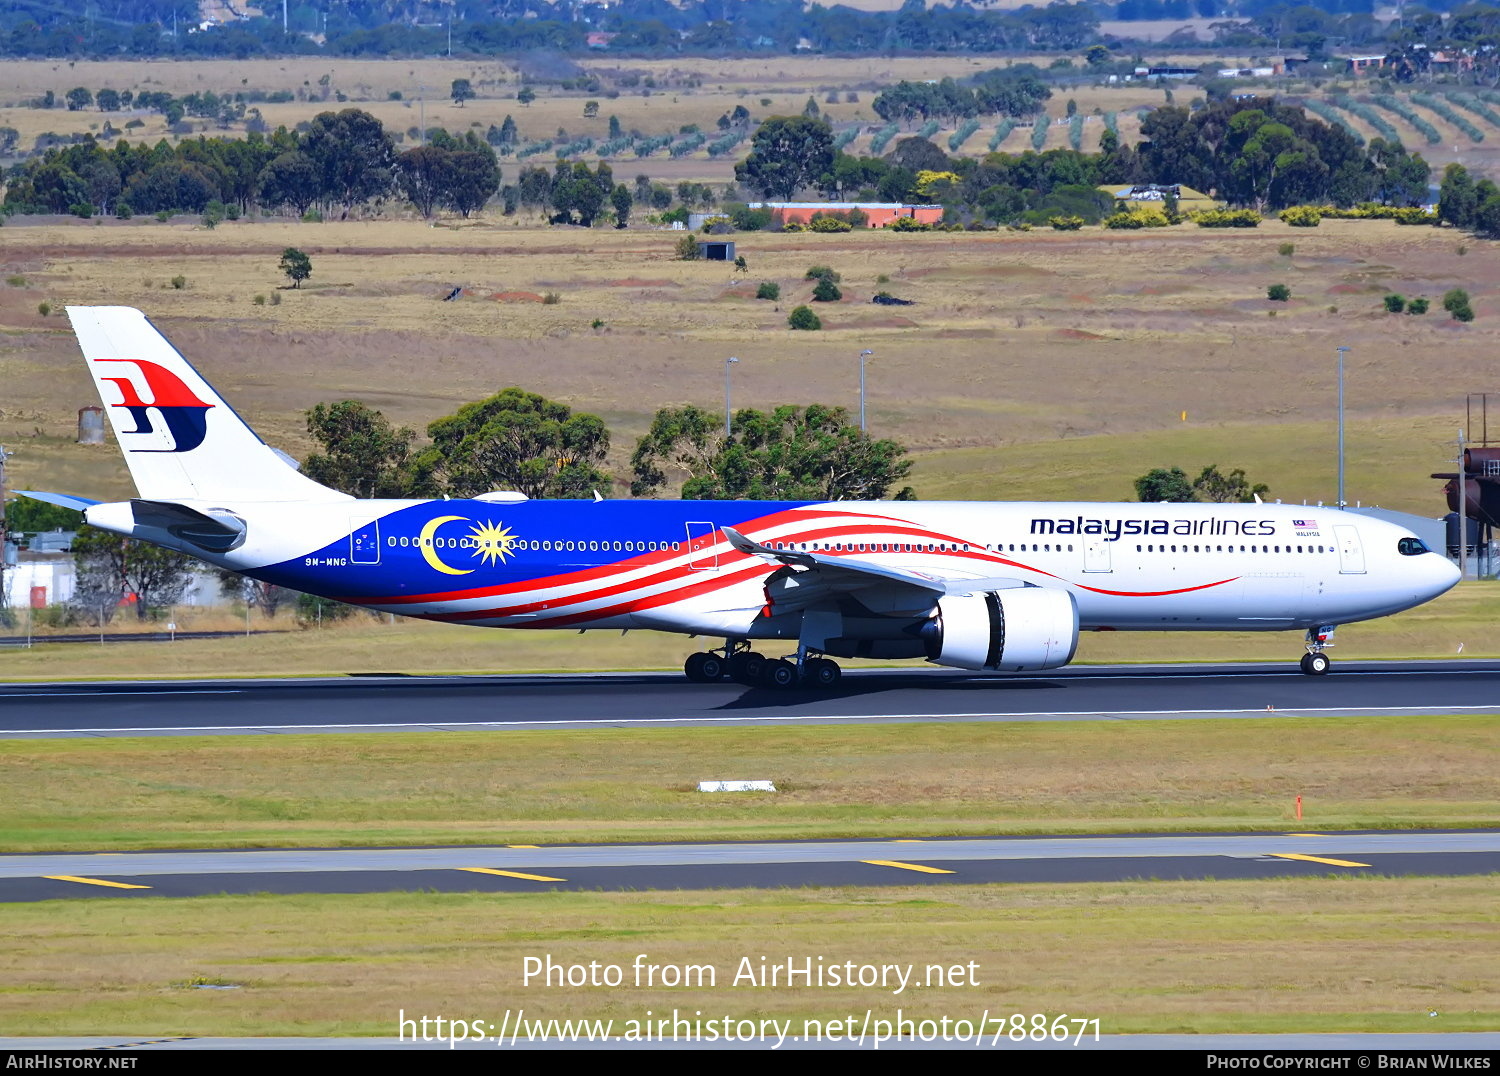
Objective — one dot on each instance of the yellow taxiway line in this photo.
(93, 881)
(905, 866)
(512, 874)
(1318, 859)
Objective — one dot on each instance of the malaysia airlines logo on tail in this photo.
(185, 416)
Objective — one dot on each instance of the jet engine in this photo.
(1008, 630)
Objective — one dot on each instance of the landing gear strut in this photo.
(1315, 662)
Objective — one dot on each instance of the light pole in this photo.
(863, 355)
(1341, 352)
(727, 364)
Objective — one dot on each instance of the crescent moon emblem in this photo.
(425, 543)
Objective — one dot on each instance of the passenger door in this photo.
(702, 548)
(1351, 553)
(1096, 554)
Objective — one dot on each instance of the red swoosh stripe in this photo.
(724, 581)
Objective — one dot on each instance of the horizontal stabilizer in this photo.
(62, 500)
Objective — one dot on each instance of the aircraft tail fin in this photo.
(180, 439)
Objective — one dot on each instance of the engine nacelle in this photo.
(1007, 630)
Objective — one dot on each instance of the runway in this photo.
(376, 703)
(637, 867)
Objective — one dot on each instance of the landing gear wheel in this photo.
(695, 667)
(781, 674)
(746, 667)
(823, 673)
(1316, 663)
(714, 667)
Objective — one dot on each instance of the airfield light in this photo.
(727, 364)
(1341, 501)
(863, 355)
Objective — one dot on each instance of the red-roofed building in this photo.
(880, 214)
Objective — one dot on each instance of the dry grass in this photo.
(1017, 341)
(1307, 954)
(626, 784)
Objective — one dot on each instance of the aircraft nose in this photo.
(1445, 574)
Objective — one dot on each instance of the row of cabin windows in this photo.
(473, 543)
(1230, 549)
(838, 547)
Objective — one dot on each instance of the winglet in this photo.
(755, 549)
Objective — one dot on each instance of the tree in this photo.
(1278, 293)
(622, 201)
(461, 91)
(787, 153)
(267, 597)
(791, 453)
(591, 110)
(575, 189)
(296, 265)
(1458, 200)
(421, 175)
(804, 319)
(156, 577)
(352, 154)
(290, 179)
(1212, 486)
(514, 440)
(363, 454)
(826, 291)
(1160, 484)
(1456, 302)
(79, 98)
(108, 100)
(470, 179)
(103, 184)
(526, 95)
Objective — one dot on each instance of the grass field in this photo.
(1308, 954)
(924, 780)
(1059, 348)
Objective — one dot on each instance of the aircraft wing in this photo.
(846, 574)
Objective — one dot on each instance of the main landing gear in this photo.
(736, 661)
(1315, 662)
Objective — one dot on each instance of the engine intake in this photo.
(1006, 630)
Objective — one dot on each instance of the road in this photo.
(721, 865)
(375, 703)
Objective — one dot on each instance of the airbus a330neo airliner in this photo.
(969, 585)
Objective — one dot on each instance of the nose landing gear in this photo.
(1315, 662)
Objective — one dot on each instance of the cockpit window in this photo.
(1410, 547)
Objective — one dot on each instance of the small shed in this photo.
(716, 250)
